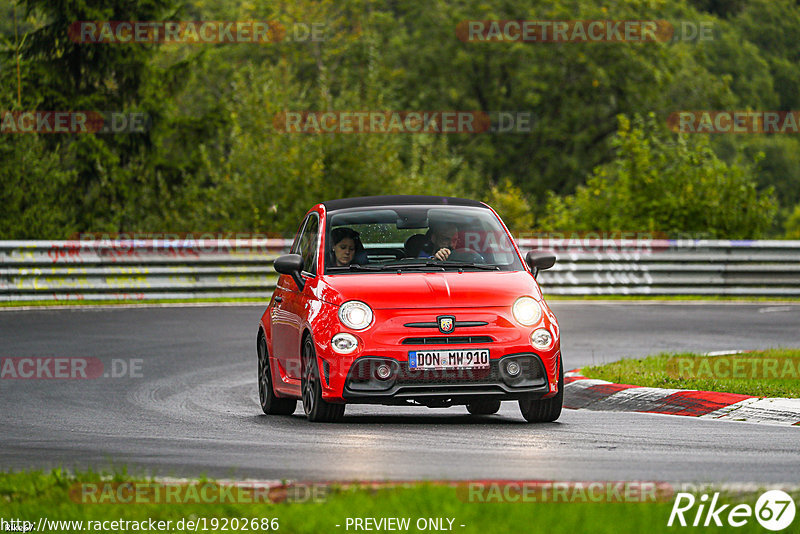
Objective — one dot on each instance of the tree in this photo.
(32, 181)
(793, 224)
(211, 159)
(660, 182)
(510, 203)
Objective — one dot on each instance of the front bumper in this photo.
(350, 378)
(459, 385)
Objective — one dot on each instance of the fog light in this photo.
(383, 371)
(541, 339)
(513, 368)
(344, 343)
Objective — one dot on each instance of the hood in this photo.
(430, 290)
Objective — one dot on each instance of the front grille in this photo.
(531, 369)
(408, 376)
(457, 324)
(447, 340)
(362, 377)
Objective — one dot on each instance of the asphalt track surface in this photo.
(194, 410)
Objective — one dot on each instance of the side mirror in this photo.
(291, 264)
(539, 260)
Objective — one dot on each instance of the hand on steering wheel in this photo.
(442, 254)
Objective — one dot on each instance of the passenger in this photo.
(346, 247)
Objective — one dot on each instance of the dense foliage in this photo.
(598, 157)
(660, 184)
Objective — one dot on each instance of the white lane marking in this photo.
(773, 411)
(643, 394)
(775, 309)
(776, 411)
(586, 383)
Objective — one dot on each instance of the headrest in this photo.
(416, 244)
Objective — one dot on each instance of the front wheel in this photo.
(317, 409)
(270, 404)
(545, 410)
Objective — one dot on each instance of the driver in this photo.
(443, 236)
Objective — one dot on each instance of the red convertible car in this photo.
(402, 300)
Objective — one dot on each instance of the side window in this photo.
(297, 240)
(308, 244)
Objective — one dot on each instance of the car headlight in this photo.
(526, 311)
(541, 339)
(355, 314)
(344, 343)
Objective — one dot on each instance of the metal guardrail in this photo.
(146, 270)
(674, 267)
(138, 270)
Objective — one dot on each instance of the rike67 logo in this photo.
(774, 510)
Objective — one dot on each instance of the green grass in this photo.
(34, 495)
(665, 371)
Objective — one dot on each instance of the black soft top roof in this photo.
(399, 200)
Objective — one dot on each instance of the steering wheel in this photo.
(466, 255)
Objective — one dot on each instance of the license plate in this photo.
(449, 359)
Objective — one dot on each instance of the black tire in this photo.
(317, 409)
(545, 410)
(484, 407)
(270, 404)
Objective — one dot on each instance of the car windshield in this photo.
(421, 238)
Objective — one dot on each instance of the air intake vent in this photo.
(447, 340)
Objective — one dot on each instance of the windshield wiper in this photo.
(416, 265)
(466, 264)
(439, 265)
(446, 264)
(385, 267)
(358, 267)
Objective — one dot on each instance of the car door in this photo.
(287, 332)
(282, 323)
